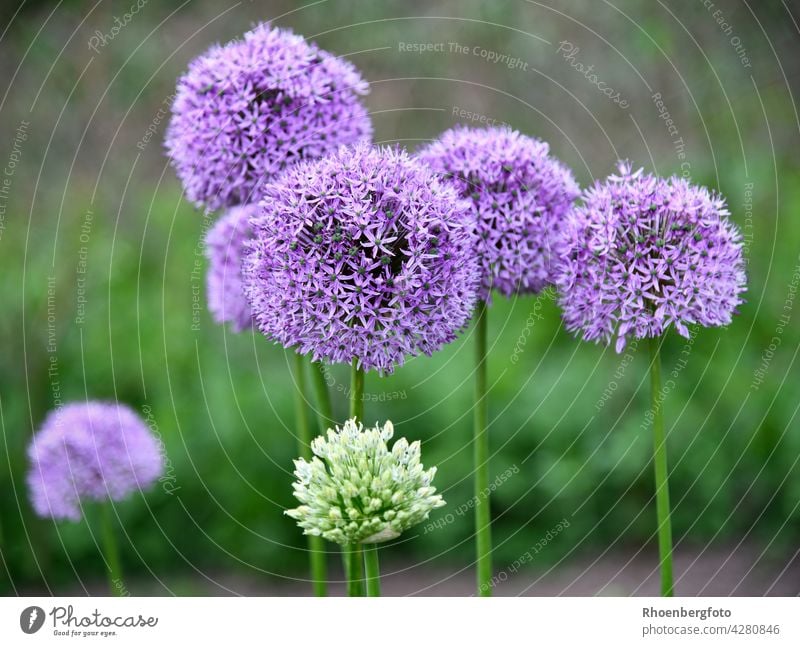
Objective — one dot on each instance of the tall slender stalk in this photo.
(354, 566)
(661, 473)
(483, 528)
(372, 570)
(322, 397)
(356, 392)
(316, 547)
(353, 561)
(111, 552)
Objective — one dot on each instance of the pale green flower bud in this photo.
(355, 490)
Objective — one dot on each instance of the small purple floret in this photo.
(363, 255)
(520, 196)
(249, 109)
(644, 253)
(90, 451)
(225, 244)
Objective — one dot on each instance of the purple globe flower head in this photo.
(246, 110)
(520, 196)
(363, 255)
(225, 246)
(643, 253)
(90, 451)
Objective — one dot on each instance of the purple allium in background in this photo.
(246, 110)
(520, 196)
(90, 451)
(643, 253)
(363, 255)
(225, 243)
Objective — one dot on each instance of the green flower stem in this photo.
(483, 528)
(354, 569)
(356, 392)
(322, 397)
(316, 547)
(353, 563)
(372, 570)
(111, 552)
(319, 568)
(661, 473)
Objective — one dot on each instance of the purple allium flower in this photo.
(247, 110)
(225, 243)
(90, 451)
(363, 255)
(520, 196)
(643, 253)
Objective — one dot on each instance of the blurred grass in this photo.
(222, 402)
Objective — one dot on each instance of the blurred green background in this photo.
(89, 191)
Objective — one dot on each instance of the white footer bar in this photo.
(406, 621)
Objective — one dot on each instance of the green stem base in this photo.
(483, 527)
(354, 570)
(661, 473)
(372, 570)
(111, 553)
(316, 548)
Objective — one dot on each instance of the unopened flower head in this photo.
(644, 253)
(363, 255)
(224, 246)
(90, 451)
(520, 195)
(357, 490)
(246, 110)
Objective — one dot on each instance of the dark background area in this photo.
(89, 191)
